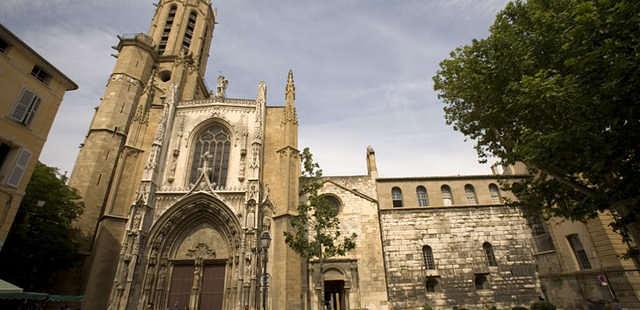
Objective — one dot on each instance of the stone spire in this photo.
(290, 98)
(290, 89)
(289, 118)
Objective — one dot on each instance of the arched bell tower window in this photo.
(188, 33)
(212, 146)
(167, 29)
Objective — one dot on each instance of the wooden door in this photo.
(212, 287)
(180, 289)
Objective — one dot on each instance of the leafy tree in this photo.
(556, 85)
(40, 241)
(316, 228)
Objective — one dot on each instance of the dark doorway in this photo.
(180, 289)
(334, 298)
(212, 287)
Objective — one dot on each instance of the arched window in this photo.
(212, 146)
(188, 33)
(579, 251)
(421, 192)
(396, 197)
(167, 29)
(470, 194)
(488, 252)
(495, 193)
(429, 262)
(447, 197)
(332, 202)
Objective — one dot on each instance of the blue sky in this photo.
(363, 70)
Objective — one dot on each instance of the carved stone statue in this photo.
(222, 86)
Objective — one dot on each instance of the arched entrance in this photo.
(193, 251)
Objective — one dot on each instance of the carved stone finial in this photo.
(290, 97)
(290, 89)
(222, 86)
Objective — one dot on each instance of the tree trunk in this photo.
(321, 278)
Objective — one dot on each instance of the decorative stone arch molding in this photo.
(198, 228)
(216, 118)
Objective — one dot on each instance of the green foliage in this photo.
(426, 307)
(556, 86)
(40, 241)
(316, 228)
(542, 305)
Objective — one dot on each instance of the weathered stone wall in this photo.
(456, 235)
(362, 269)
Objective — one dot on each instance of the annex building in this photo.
(188, 193)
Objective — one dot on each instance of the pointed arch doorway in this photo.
(189, 264)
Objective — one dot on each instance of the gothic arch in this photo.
(205, 124)
(191, 144)
(193, 212)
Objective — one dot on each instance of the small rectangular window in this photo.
(26, 107)
(20, 167)
(4, 46)
(432, 284)
(481, 281)
(40, 74)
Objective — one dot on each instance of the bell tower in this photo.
(183, 30)
(169, 61)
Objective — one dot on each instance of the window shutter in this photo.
(32, 110)
(19, 168)
(22, 107)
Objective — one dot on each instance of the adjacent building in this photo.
(31, 90)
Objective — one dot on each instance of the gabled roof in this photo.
(71, 85)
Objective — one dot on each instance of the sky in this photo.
(363, 70)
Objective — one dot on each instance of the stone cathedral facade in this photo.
(182, 187)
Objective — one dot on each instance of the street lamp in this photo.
(265, 241)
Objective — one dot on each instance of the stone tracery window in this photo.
(211, 145)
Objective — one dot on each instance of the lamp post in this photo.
(265, 240)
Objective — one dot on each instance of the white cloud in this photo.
(363, 70)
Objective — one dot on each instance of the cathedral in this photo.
(188, 193)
